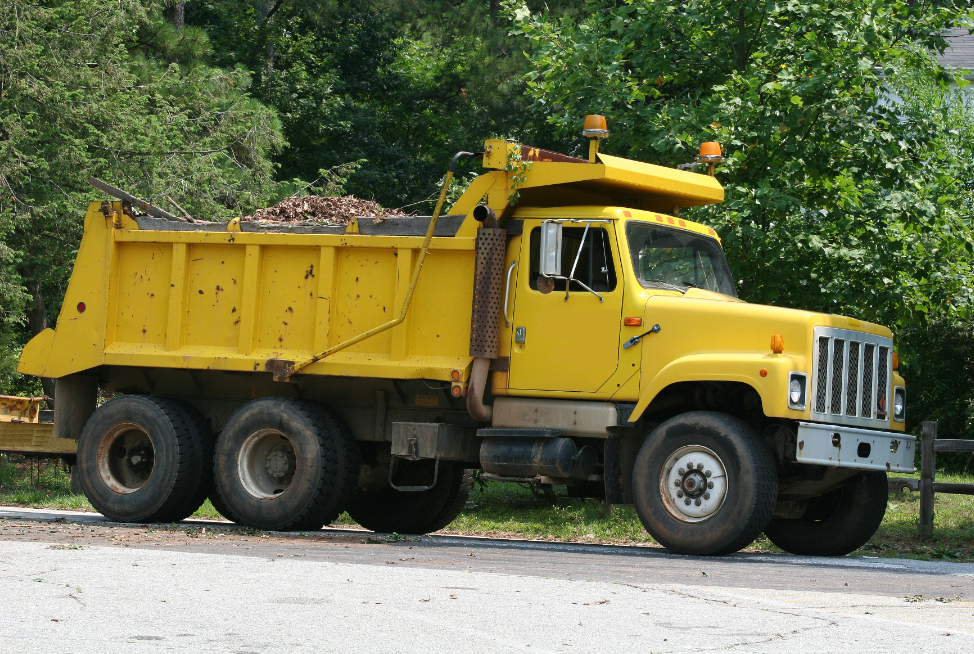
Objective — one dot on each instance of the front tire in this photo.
(285, 464)
(837, 523)
(704, 484)
(145, 459)
(415, 512)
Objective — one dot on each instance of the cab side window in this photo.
(595, 267)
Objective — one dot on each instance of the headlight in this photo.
(795, 391)
(899, 404)
(797, 382)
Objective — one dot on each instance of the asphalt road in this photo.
(75, 583)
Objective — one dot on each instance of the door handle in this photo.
(507, 292)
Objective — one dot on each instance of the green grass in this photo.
(511, 510)
(43, 483)
(953, 526)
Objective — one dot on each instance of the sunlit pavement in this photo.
(334, 592)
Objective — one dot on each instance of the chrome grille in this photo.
(868, 351)
(853, 392)
(822, 375)
(851, 373)
(882, 375)
(838, 356)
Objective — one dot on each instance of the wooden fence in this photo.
(929, 446)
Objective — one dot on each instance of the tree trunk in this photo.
(37, 321)
(175, 13)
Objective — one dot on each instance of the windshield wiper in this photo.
(666, 284)
(691, 285)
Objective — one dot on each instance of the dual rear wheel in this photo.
(279, 464)
(284, 464)
(145, 459)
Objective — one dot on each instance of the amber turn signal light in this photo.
(455, 375)
(633, 322)
(896, 361)
(457, 390)
(777, 343)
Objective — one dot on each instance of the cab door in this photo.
(567, 342)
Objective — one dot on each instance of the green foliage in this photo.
(939, 365)
(938, 356)
(404, 85)
(103, 88)
(835, 199)
(330, 182)
(518, 169)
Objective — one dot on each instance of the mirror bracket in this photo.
(551, 240)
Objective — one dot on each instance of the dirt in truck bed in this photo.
(316, 209)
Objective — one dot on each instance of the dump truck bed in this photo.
(232, 300)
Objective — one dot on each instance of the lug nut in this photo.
(687, 501)
(679, 493)
(697, 502)
(707, 473)
(706, 496)
(699, 466)
(710, 484)
(676, 482)
(681, 471)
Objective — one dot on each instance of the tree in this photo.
(111, 89)
(402, 84)
(836, 199)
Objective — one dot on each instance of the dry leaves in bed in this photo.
(317, 209)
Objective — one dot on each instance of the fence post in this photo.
(928, 467)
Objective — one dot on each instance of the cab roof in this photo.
(552, 179)
(615, 214)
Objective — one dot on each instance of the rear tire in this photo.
(415, 512)
(836, 523)
(704, 484)
(145, 459)
(285, 464)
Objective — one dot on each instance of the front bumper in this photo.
(849, 447)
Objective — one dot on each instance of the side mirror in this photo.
(550, 249)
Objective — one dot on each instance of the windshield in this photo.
(665, 257)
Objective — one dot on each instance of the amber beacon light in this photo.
(710, 154)
(594, 128)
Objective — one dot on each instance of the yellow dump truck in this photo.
(585, 335)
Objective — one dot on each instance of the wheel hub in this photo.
(125, 458)
(266, 464)
(280, 462)
(140, 459)
(693, 483)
